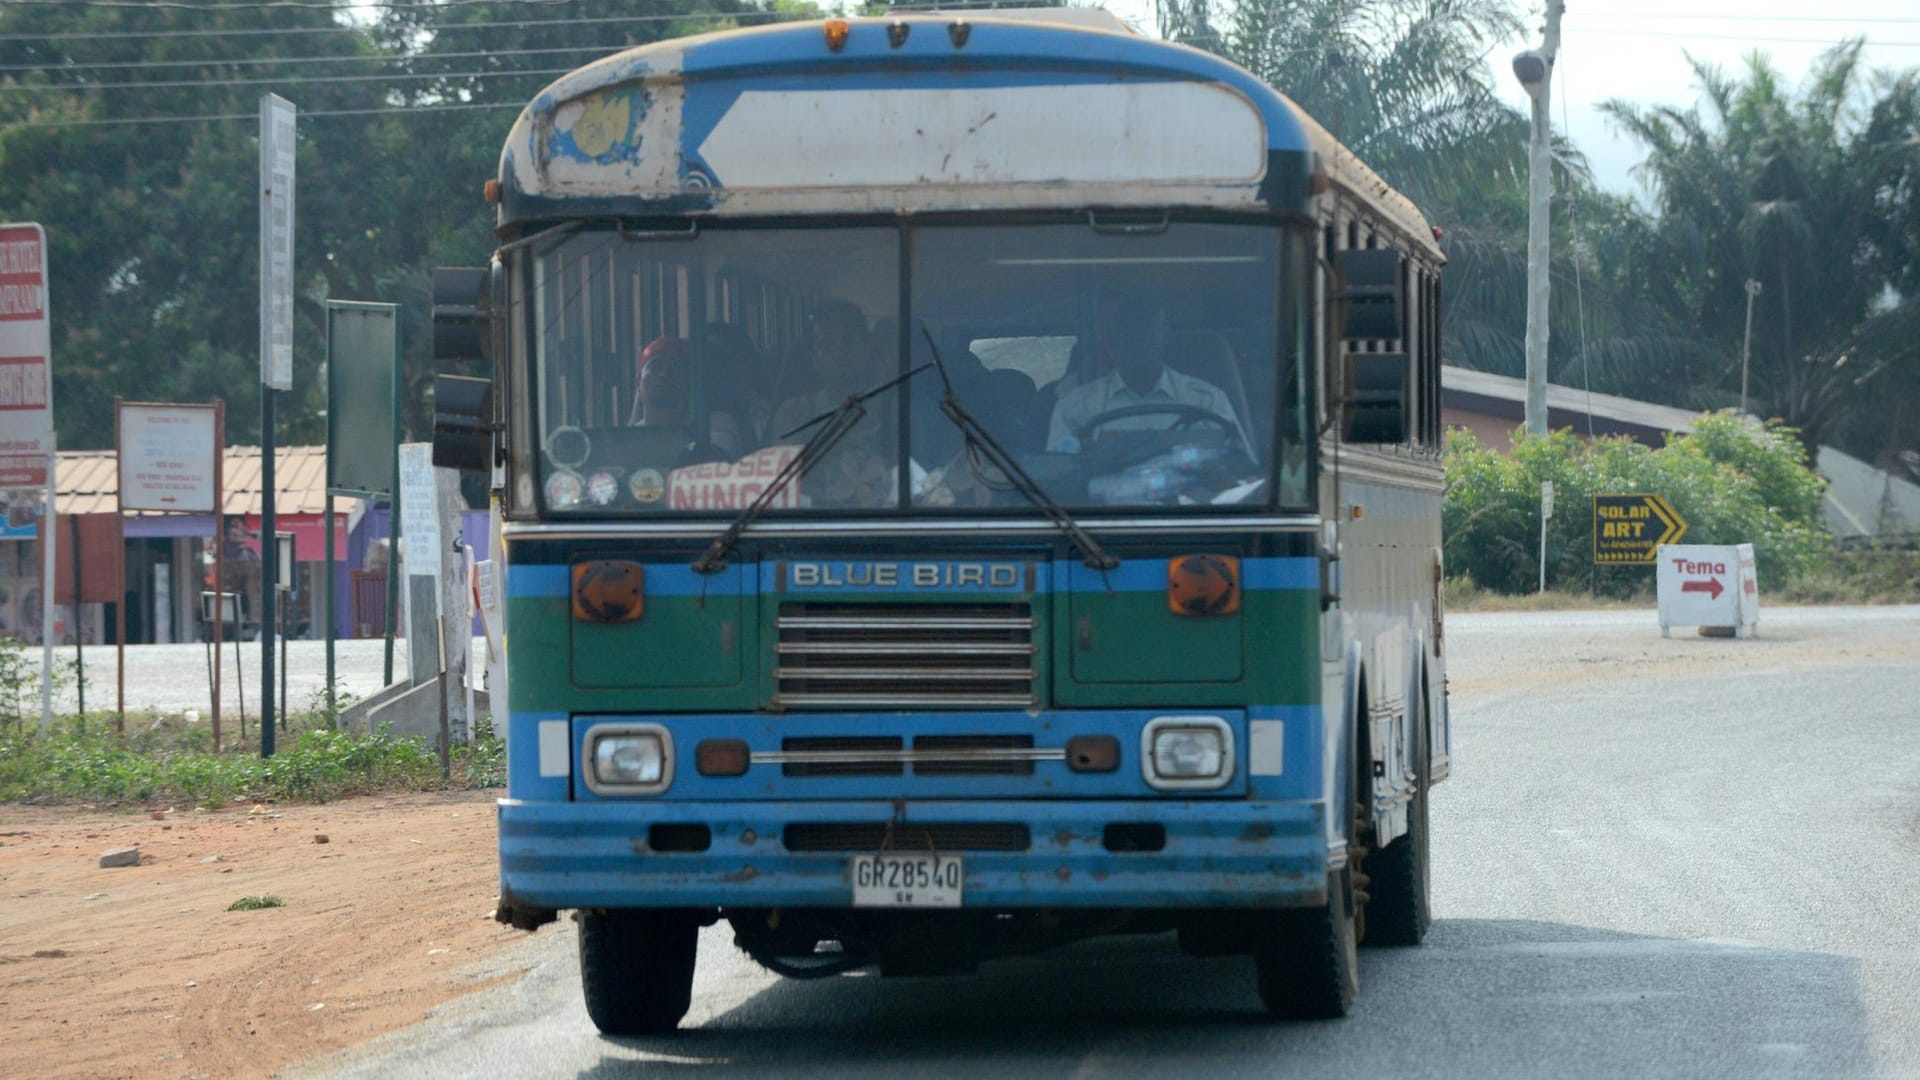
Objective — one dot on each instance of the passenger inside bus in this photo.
(846, 359)
(663, 398)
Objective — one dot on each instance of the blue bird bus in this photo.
(966, 484)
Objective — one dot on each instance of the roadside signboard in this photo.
(363, 350)
(168, 455)
(419, 520)
(1710, 586)
(26, 350)
(277, 134)
(1628, 530)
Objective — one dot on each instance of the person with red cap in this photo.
(663, 394)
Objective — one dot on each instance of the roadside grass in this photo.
(256, 903)
(1463, 594)
(1873, 574)
(162, 759)
(1860, 575)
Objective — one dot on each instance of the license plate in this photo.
(890, 879)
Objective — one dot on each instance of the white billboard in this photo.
(168, 457)
(26, 358)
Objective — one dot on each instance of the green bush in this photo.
(1732, 481)
(170, 763)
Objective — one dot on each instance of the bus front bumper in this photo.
(1217, 853)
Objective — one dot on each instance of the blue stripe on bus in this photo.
(1150, 575)
(1137, 575)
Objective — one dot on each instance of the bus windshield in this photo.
(1138, 367)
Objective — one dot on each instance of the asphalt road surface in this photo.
(1681, 857)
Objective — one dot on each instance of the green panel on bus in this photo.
(1132, 637)
(680, 641)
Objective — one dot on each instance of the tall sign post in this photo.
(26, 406)
(277, 132)
(363, 427)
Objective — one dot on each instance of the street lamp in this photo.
(1746, 346)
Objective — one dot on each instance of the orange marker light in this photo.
(836, 34)
(609, 591)
(722, 757)
(490, 191)
(1203, 584)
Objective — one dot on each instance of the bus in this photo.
(966, 484)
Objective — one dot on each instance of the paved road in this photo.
(1686, 858)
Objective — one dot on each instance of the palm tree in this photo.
(1812, 195)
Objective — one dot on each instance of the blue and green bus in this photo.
(966, 485)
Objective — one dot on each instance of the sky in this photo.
(1636, 51)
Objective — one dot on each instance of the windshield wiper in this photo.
(981, 443)
(834, 425)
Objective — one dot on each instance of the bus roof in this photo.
(1041, 110)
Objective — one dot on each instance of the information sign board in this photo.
(1628, 530)
(168, 454)
(26, 374)
(419, 521)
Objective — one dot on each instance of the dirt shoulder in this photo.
(142, 971)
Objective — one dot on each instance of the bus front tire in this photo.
(1305, 958)
(636, 969)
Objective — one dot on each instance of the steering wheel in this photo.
(1185, 415)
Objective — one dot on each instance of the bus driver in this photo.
(1137, 374)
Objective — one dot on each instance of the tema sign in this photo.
(1629, 529)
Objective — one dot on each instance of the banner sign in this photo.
(26, 349)
(277, 134)
(720, 485)
(168, 455)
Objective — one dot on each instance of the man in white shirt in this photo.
(1139, 375)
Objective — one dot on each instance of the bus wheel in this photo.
(1398, 911)
(1305, 957)
(636, 969)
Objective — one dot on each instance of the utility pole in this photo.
(1746, 345)
(1534, 69)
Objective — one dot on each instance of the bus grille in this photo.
(906, 656)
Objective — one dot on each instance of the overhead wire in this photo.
(1875, 42)
(274, 61)
(175, 84)
(348, 28)
(255, 115)
(263, 5)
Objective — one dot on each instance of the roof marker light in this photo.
(836, 34)
(897, 32)
(958, 31)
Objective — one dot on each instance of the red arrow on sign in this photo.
(1711, 586)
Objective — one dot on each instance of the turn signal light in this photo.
(721, 757)
(1093, 753)
(836, 34)
(1203, 584)
(609, 591)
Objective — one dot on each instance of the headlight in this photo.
(629, 759)
(1187, 752)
